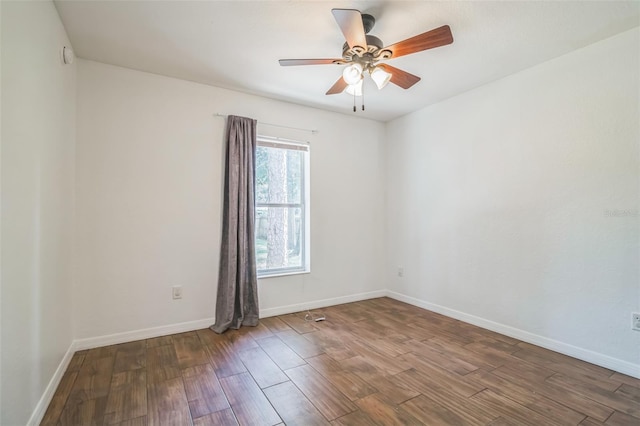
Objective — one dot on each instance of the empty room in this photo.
(319, 212)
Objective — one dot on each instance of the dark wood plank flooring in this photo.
(376, 362)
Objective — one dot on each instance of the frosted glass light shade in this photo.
(380, 77)
(355, 89)
(352, 74)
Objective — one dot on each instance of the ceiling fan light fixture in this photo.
(355, 89)
(352, 74)
(380, 77)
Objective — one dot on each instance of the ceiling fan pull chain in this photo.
(354, 101)
(363, 97)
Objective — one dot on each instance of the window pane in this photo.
(279, 237)
(278, 175)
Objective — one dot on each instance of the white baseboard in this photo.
(146, 333)
(596, 358)
(42, 405)
(323, 303)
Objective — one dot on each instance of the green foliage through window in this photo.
(280, 208)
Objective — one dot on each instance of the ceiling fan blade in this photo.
(350, 22)
(434, 38)
(338, 87)
(399, 77)
(292, 62)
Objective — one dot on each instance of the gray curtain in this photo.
(237, 302)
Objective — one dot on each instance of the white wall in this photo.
(149, 181)
(497, 202)
(38, 139)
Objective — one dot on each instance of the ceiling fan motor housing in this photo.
(372, 53)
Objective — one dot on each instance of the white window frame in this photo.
(304, 206)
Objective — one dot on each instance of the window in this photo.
(282, 216)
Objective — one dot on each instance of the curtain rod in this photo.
(312, 131)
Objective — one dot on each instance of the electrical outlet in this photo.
(400, 271)
(635, 321)
(177, 291)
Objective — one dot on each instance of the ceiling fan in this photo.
(363, 53)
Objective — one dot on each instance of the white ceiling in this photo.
(237, 44)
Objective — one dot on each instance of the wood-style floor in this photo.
(376, 362)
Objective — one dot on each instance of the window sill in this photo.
(283, 274)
